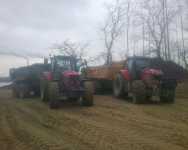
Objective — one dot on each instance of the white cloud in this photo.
(33, 26)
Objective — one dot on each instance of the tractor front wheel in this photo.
(119, 86)
(87, 98)
(53, 93)
(138, 92)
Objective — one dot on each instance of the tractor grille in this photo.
(74, 82)
(71, 83)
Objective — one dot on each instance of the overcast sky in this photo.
(33, 26)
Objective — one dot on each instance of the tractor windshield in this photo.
(65, 64)
(142, 63)
(137, 65)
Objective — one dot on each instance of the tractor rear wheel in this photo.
(119, 86)
(167, 95)
(53, 94)
(138, 92)
(87, 98)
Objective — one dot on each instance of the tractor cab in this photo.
(140, 68)
(64, 64)
(59, 64)
(142, 80)
(63, 81)
(136, 65)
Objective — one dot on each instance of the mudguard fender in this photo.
(125, 73)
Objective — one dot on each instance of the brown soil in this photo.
(110, 125)
(182, 89)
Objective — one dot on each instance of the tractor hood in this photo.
(151, 77)
(149, 73)
(70, 74)
(153, 72)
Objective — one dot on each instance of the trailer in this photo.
(26, 80)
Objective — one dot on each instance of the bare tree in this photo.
(73, 49)
(149, 26)
(112, 28)
(155, 25)
(128, 24)
(184, 50)
(157, 18)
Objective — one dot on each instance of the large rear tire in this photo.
(138, 92)
(119, 86)
(53, 94)
(167, 95)
(87, 98)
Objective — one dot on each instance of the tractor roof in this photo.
(64, 57)
(141, 57)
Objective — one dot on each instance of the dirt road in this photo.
(110, 124)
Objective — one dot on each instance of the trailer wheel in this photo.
(14, 91)
(53, 94)
(138, 92)
(87, 98)
(21, 94)
(22, 91)
(98, 88)
(119, 86)
(44, 91)
(167, 95)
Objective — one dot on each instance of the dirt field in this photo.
(110, 124)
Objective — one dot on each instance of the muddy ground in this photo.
(111, 124)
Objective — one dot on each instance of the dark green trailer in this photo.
(26, 80)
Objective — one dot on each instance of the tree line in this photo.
(153, 28)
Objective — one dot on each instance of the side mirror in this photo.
(85, 63)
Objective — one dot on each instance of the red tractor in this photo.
(63, 82)
(142, 79)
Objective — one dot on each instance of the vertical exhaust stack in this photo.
(45, 61)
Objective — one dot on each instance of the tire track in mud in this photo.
(83, 132)
(8, 139)
(114, 136)
(18, 132)
(110, 124)
(130, 122)
(162, 128)
(141, 128)
(30, 127)
(63, 127)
